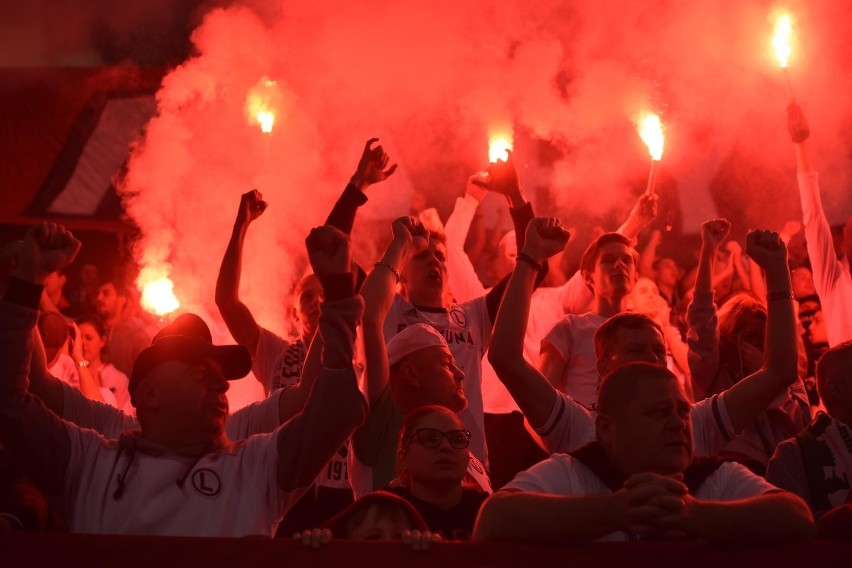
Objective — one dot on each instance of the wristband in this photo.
(530, 260)
(780, 295)
(390, 267)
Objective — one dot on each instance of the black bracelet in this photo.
(781, 295)
(530, 260)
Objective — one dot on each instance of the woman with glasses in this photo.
(432, 460)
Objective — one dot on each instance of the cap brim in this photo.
(234, 359)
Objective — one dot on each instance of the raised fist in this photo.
(329, 251)
(502, 177)
(645, 209)
(545, 237)
(252, 206)
(47, 247)
(766, 248)
(475, 187)
(714, 232)
(373, 166)
(412, 232)
(797, 125)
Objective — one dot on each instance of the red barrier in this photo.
(68, 551)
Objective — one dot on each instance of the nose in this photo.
(458, 374)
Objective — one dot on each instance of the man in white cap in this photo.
(179, 474)
(422, 372)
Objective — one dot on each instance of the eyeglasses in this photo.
(431, 438)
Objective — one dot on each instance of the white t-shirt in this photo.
(467, 329)
(258, 418)
(117, 383)
(277, 363)
(65, 369)
(571, 426)
(563, 475)
(573, 339)
(232, 492)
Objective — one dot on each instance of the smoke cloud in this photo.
(433, 80)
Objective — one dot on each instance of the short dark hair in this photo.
(619, 388)
(120, 287)
(605, 334)
(587, 262)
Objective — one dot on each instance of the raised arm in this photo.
(409, 237)
(530, 389)
(461, 275)
(703, 335)
(309, 440)
(35, 435)
(753, 394)
(372, 168)
(643, 214)
(237, 316)
(503, 179)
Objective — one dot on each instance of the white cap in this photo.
(413, 338)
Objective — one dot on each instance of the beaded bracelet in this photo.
(390, 267)
(531, 261)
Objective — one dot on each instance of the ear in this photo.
(604, 427)
(409, 374)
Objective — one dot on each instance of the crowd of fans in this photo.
(462, 389)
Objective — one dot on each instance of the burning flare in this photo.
(651, 131)
(497, 146)
(781, 39)
(262, 103)
(158, 295)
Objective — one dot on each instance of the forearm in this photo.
(380, 285)
(534, 395)
(228, 281)
(773, 516)
(804, 162)
(309, 440)
(89, 384)
(238, 318)
(343, 213)
(680, 354)
(462, 277)
(702, 343)
(704, 278)
(540, 518)
(781, 353)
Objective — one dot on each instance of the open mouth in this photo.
(434, 274)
